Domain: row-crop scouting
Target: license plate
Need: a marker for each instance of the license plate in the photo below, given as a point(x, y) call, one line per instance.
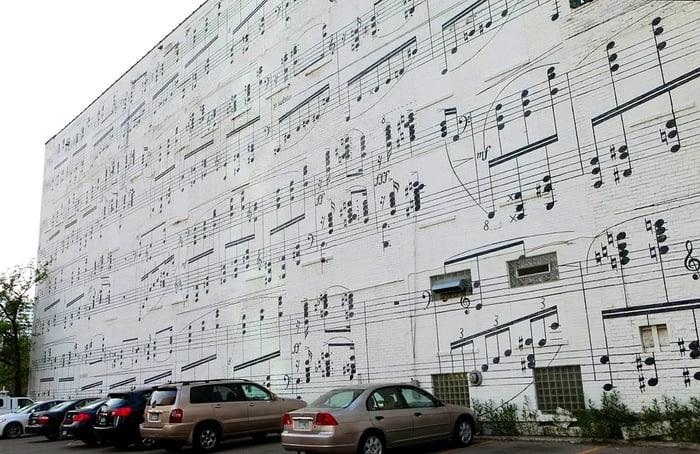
point(103, 420)
point(153, 417)
point(301, 425)
point(64, 433)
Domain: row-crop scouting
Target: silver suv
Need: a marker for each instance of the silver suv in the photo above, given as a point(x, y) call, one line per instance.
point(202, 413)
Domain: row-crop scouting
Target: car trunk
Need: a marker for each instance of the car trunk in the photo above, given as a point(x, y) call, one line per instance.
point(105, 416)
point(68, 419)
point(159, 407)
point(304, 420)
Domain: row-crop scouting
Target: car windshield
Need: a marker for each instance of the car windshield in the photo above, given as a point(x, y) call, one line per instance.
point(27, 408)
point(337, 398)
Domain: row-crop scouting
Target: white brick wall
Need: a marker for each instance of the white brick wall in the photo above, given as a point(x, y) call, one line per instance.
point(186, 211)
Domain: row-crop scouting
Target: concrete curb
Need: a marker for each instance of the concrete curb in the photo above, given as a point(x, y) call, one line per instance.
point(642, 443)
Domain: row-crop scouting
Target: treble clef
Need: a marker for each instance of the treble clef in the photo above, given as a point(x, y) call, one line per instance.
point(465, 303)
point(691, 263)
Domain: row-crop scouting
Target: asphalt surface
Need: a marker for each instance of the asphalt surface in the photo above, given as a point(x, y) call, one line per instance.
point(271, 445)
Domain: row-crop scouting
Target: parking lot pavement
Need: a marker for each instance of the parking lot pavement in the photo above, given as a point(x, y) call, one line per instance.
point(33, 445)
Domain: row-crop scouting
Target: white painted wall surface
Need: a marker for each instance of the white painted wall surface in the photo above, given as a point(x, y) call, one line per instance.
point(268, 191)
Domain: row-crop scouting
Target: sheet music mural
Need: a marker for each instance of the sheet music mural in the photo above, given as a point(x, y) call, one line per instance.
point(233, 206)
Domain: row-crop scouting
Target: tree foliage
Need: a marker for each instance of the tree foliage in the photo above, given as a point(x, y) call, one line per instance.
point(16, 303)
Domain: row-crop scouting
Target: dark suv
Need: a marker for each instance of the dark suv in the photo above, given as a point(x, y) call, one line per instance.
point(119, 418)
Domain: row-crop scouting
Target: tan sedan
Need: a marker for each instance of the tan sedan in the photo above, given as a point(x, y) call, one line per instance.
point(368, 419)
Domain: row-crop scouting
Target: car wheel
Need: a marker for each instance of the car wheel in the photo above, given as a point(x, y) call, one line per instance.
point(13, 430)
point(206, 438)
point(463, 433)
point(371, 443)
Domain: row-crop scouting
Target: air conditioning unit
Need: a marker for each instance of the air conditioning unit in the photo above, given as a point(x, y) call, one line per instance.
point(449, 286)
point(475, 378)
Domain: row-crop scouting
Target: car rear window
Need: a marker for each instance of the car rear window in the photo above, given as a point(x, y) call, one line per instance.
point(162, 397)
point(117, 401)
point(62, 406)
point(338, 398)
point(93, 405)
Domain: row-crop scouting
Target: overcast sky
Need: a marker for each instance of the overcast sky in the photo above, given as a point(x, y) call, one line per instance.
point(57, 57)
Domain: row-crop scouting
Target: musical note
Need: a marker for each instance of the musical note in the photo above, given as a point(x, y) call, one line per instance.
point(461, 123)
point(671, 131)
point(462, 27)
point(399, 59)
point(302, 118)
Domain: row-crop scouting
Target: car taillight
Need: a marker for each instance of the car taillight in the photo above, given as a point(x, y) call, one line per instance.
point(325, 419)
point(42, 419)
point(175, 416)
point(121, 412)
point(287, 419)
point(80, 417)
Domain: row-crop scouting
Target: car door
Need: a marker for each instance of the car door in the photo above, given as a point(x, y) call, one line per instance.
point(430, 419)
point(390, 414)
point(229, 408)
point(264, 411)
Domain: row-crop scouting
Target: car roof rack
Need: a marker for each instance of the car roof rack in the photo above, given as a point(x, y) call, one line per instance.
point(206, 380)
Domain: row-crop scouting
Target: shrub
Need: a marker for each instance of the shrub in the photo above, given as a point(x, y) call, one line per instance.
point(501, 419)
point(606, 421)
point(682, 419)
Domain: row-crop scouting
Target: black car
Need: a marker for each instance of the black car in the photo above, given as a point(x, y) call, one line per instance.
point(118, 419)
point(78, 423)
point(48, 422)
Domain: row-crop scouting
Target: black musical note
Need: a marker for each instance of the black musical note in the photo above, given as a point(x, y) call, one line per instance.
point(671, 131)
point(461, 123)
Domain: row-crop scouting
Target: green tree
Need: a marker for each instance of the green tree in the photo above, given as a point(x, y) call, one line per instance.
point(16, 303)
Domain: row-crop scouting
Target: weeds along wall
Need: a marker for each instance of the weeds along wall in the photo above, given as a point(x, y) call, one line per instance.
point(317, 193)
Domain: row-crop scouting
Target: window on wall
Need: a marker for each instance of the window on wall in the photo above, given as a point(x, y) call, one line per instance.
point(452, 388)
point(576, 3)
point(535, 269)
point(653, 337)
point(559, 387)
